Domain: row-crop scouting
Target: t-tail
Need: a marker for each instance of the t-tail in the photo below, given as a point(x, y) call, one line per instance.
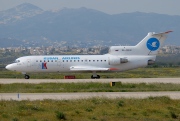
point(152, 43)
point(148, 46)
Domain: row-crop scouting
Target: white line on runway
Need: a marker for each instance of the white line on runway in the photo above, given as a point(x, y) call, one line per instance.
point(124, 80)
point(85, 95)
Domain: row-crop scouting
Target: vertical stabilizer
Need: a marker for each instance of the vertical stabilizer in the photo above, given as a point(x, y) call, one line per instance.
point(151, 43)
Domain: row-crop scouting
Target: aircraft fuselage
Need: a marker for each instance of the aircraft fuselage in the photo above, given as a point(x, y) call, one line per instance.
point(66, 63)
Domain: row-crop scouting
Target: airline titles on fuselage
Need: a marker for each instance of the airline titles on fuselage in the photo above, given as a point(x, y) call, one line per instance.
point(50, 58)
point(63, 58)
point(70, 58)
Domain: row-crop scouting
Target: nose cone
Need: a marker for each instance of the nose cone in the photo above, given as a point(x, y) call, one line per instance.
point(9, 67)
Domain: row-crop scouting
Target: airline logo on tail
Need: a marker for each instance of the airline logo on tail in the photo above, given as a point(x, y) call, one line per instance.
point(153, 44)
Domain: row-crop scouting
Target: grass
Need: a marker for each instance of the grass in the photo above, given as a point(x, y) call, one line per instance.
point(86, 87)
point(101, 109)
point(137, 73)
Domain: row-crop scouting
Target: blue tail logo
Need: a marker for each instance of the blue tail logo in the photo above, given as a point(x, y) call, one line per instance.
point(153, 44)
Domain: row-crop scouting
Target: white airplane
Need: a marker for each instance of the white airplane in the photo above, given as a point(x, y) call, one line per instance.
point(119, 58)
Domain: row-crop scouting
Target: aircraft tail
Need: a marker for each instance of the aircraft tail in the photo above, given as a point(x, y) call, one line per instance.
point(151, 43)
point(148, 46)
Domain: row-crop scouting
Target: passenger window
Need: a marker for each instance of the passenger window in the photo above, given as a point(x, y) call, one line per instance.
point(74, 60)
point(70, 60)
point(55, 60)
point(66, 60)
point(51, 60)
point(44, 61)
point(81, 60)
point(63, 60)
point(97, 60)
point(93, 60)
point(78, 60)
point(40, 60)
point(89, 60)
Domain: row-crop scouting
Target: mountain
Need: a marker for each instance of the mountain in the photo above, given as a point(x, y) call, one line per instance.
point(19, 12)
point(82, 26)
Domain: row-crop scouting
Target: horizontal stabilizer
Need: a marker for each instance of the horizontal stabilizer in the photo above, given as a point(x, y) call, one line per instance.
point(167, 32)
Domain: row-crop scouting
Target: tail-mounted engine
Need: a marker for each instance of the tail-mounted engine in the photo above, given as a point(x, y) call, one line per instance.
point(117, 60)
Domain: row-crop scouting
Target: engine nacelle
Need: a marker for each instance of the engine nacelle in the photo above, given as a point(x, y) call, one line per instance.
point(124, 60)
point(117, 60)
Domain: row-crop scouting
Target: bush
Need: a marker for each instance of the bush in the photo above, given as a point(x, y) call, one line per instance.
point(173, 115)
point(60, 115)
point(15, 119)
point(121, 103)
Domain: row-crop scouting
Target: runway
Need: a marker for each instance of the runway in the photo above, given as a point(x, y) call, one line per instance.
point(123, 80)
point(85, 95)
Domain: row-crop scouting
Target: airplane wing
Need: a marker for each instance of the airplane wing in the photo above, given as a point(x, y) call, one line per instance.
point(90, 68)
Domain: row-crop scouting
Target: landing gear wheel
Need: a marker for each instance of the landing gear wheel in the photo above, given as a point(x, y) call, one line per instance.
point(26, 76)
point(97, 77)
point(92, 77)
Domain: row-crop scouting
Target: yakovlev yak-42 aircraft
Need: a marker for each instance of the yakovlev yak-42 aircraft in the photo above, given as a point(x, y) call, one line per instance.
point(119, 58)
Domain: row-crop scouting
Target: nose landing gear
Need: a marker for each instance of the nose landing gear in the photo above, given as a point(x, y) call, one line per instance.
point(26, 76)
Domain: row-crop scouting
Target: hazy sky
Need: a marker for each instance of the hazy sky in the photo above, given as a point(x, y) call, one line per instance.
point(171, 7)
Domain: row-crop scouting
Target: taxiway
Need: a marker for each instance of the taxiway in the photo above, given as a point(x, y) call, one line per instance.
point(122, 80)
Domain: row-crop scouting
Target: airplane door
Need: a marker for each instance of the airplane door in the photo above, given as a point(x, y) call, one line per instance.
point(59, 62)
point(28, 63)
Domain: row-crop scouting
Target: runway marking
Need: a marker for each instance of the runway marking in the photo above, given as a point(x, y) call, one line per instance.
point(86, 95)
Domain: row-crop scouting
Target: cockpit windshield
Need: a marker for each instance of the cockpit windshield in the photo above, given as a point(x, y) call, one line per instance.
point(16, 61)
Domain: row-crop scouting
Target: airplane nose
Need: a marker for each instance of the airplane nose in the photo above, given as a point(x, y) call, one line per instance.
point(8, 67)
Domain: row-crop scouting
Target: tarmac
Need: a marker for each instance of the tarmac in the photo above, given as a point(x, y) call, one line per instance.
point(122, 80)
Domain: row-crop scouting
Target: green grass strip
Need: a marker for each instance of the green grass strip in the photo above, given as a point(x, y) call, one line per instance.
point(86, 87)
point(100, 109)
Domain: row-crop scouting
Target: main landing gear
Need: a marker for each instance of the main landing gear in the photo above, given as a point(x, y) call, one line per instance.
point(95, 76)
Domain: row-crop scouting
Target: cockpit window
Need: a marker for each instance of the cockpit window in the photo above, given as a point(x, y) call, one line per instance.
point(16, 61)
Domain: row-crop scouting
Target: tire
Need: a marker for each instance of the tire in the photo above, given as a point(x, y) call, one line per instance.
point(98, 77)
point(26, 76)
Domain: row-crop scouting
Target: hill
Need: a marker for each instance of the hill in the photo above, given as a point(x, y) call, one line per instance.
point(32, 26)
